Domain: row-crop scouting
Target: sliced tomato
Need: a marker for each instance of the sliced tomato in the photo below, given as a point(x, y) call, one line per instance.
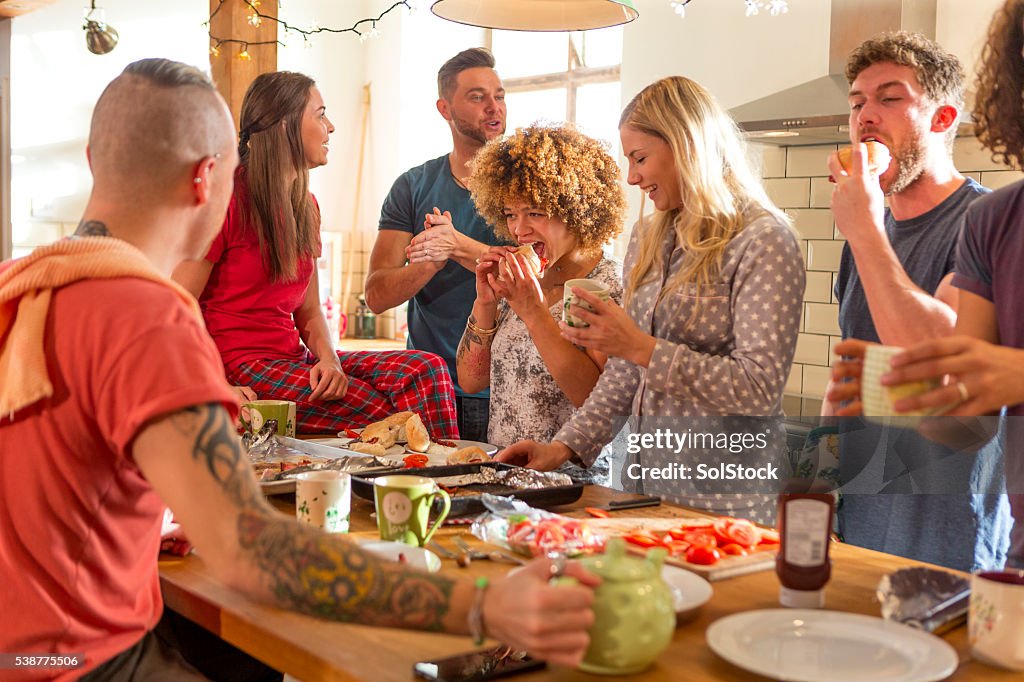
point(447, 443)
point(677, 547)
point(743, 532)
point(350, 433)
point(678, 533)
point(415, 461)
point(597, 512)
point(700, 538)
point(703, 555)
point(644, 539)
point(769, 536)
point(721, 530)
point(734, 550)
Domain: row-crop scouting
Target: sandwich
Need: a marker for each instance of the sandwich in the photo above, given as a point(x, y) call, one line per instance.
point(469, 455)
point(416, 434)
point(878, 157)
point(375, 449)
point(533, 261)
point(380, 433)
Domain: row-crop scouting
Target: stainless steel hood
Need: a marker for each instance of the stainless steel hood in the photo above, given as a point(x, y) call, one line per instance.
point(817, 112)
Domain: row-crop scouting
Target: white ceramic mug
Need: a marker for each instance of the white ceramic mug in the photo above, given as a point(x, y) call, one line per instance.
point(323, 499)
point(995, 623)
point(878, 399)
point(599, 289)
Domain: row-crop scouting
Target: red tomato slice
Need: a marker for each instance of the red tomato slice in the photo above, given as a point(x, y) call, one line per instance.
point(597, 512)
point(677, 548)
point(733, 549)
point(743, 532)
point(703, 555)
point(678, 533)
point(415, 461)
point(769, 536)
point(351, 434)
point(721, 530)
point(700, 538)
point(644, 540)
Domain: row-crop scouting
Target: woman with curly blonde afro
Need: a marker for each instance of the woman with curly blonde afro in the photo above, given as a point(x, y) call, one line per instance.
point(557, 190)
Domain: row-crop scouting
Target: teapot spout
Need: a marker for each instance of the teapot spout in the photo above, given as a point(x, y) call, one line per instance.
point(656, 557)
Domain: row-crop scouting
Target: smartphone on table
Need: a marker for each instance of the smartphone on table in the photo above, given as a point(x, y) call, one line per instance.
point(474, 666)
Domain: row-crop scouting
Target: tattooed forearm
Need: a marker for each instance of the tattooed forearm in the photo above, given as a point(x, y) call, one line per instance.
point(323, 576)
point(91, 228)
point(216, 444)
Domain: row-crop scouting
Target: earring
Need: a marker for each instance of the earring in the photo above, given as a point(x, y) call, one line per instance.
point(197, 181)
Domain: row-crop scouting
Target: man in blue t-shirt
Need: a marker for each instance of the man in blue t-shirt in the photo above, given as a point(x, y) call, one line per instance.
point(894, 287)
point(430, 235)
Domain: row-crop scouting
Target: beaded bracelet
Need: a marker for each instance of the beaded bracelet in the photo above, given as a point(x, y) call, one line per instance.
point(475, 619)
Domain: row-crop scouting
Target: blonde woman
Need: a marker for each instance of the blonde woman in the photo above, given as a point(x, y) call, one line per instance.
point(557, 190)
point(714, 282)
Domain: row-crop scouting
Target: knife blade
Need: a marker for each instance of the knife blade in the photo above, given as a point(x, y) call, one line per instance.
point(631, 503)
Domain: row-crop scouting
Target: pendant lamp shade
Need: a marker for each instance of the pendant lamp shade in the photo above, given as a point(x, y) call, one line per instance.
point(537, 15)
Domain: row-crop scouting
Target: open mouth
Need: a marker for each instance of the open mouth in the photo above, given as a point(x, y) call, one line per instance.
point(493, 125)
point(539, 249)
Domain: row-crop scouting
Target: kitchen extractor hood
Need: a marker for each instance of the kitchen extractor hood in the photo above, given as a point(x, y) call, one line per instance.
point(817, 112)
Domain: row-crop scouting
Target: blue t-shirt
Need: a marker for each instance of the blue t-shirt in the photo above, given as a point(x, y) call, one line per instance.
point(904, 494)
point(438, 312)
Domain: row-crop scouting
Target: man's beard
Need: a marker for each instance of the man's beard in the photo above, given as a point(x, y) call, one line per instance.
point(469, 130)
point(910, 163)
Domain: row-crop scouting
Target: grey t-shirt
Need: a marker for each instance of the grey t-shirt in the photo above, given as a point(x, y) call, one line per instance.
point(902, 493)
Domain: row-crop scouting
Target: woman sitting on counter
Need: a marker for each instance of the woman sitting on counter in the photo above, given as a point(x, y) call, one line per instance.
point(556, 189)
point(259, 291)
point(714, 284)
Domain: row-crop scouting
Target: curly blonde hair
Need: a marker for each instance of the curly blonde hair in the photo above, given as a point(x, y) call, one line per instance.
point(999, 104)
point(557, 169)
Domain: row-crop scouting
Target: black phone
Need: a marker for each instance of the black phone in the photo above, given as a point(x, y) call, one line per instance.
point(477, 665)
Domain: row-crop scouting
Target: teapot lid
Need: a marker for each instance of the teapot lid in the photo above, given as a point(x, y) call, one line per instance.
point(615, 565)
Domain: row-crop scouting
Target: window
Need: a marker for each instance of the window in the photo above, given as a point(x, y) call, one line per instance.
point(555, 77)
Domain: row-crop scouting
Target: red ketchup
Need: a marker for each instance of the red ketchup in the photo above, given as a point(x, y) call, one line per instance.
point(803, 565)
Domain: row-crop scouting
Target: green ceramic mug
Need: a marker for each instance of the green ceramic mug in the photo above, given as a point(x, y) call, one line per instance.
point(403, 508)
point(256, 412)
point(599, 289)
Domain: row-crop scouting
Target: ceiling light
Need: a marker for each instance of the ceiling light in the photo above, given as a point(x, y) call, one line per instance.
point(537, 15)
point(100, 37)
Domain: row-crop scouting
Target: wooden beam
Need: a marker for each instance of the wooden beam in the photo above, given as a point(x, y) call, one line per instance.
point(14, 8)
point(232, 74)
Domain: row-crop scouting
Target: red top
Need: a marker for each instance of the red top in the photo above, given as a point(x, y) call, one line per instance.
point(79, 524)
point(248, 316)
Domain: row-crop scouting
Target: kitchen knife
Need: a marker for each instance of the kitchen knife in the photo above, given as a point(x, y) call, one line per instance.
point(632, 503)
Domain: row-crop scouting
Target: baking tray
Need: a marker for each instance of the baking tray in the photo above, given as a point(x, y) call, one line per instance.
point(462, 505)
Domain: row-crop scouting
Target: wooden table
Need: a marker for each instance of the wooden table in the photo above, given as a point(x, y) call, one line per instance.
point(312, 650)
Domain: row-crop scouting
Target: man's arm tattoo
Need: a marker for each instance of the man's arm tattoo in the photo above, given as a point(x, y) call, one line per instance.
point(91, 228)
point(303, 568)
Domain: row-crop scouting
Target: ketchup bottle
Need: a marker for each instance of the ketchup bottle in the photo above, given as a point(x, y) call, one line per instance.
point(803, 565)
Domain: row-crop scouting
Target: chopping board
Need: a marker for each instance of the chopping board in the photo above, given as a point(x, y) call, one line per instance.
point(727, 567)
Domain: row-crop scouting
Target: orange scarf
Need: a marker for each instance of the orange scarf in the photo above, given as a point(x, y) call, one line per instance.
point(26, 287)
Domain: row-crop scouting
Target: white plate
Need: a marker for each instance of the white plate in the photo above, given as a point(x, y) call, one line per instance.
point(689, 590)
point(343, 443)
point(459, 444)
point(801, 645)
point(344, 436)
point(417, 557)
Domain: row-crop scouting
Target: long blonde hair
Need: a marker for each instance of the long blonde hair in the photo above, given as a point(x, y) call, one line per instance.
point(719, 190)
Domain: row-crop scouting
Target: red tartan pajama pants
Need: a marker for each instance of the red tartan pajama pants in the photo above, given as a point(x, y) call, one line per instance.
point(380, 383)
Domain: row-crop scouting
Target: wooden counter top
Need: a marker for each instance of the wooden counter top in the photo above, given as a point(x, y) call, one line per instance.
point(313, 650)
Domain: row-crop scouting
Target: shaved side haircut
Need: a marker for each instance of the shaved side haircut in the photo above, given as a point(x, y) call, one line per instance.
point(151, 126)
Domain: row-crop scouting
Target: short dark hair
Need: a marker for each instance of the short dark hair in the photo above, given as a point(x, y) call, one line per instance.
point(168, 74)
point(472, 58)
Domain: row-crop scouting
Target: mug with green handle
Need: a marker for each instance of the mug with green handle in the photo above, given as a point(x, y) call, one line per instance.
point(403, 508)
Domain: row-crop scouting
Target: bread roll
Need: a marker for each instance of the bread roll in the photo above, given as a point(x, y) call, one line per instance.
point(533, 261)
point(878, 157)
point(381, 431)
point(469, 455)
point(398, 418)
point(375, 449)
point(416, 434)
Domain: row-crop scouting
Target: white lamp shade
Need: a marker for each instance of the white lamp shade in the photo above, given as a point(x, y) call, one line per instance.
point(537, 15)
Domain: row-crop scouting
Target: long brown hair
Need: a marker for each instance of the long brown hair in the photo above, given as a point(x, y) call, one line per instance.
point(286, 219)
point(720, 192)
point(999, 103)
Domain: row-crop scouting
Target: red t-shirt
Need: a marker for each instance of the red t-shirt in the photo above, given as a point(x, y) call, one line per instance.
point(248, 315)
point(79, 524)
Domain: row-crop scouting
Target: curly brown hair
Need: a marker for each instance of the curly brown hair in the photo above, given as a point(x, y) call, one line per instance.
point(557, 169)
point(999, 104)
point(939, 72)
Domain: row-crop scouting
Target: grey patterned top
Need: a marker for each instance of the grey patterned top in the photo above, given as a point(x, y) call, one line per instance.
point(733, 360)
point(526, 402)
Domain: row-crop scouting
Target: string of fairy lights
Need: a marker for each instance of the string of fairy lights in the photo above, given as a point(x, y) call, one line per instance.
point(364, 28)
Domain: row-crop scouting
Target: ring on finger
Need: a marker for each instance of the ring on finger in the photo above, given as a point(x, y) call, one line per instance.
point(965, 395)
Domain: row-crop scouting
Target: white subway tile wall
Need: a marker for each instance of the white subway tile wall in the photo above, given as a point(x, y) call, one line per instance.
point(804, 191)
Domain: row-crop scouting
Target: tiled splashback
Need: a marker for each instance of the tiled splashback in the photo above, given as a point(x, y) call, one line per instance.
point(797, 180)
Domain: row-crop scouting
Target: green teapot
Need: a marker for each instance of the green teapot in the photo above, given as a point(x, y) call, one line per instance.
point(634, 614)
